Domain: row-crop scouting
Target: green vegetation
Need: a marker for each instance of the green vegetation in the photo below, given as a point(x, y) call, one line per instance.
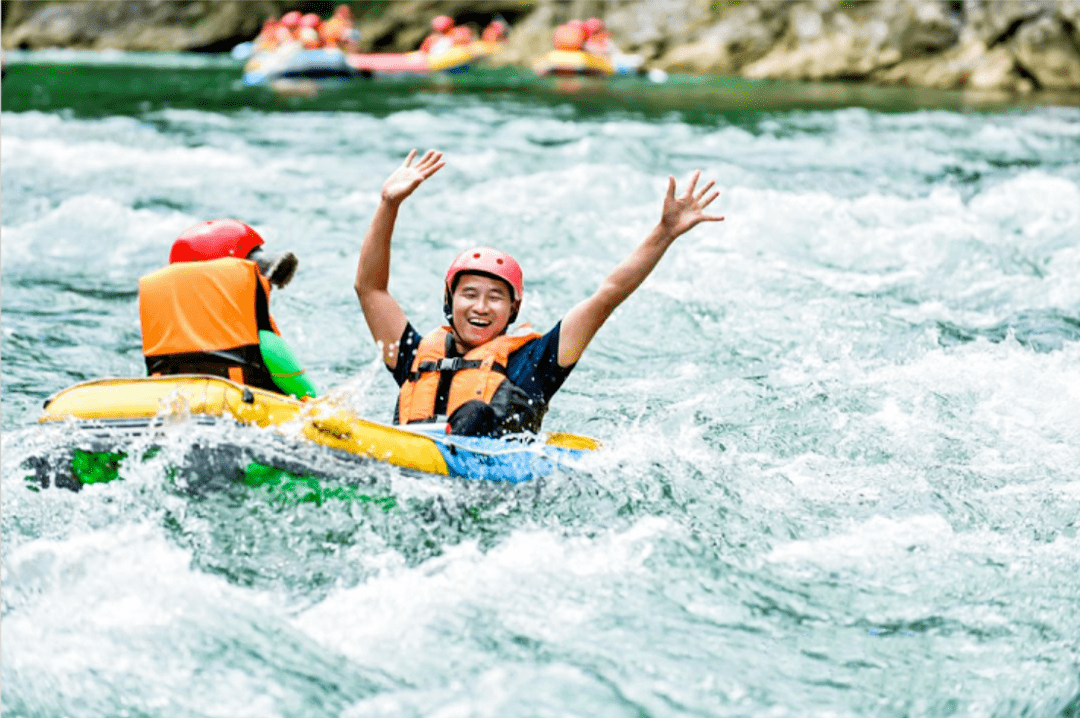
point(719, 6)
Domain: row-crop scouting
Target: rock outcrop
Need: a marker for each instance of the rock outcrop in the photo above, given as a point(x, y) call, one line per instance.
point(1014, 45)
point(1010, 45)
point(142, 25)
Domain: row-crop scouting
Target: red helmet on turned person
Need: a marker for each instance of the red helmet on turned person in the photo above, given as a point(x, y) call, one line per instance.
point(442, 23)
point(489, 262)
point(215, 239)
point(219, 238)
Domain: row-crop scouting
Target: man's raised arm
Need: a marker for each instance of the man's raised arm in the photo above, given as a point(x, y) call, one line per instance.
point(679, 215)
point(385, 318)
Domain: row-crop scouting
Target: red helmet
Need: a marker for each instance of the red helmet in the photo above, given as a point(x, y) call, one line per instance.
point(291, 18)
point(442, 23)
point(485, 260)
point(220, 238)
point(461, 35)
point(488, 261)
point(569, 37)
point(215, 239)
point(594, 25)
point(310, 20)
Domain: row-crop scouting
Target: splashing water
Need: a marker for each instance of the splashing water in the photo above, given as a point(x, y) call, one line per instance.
point(841, 428)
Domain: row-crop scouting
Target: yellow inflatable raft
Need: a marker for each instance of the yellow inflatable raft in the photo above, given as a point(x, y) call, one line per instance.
point(148, 404)
point(572, 63)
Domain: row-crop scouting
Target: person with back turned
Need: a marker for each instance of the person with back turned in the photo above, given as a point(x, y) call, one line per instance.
point(438, 40)
point(474, 373)
point(208, 311)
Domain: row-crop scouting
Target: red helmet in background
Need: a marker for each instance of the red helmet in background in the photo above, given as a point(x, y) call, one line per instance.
point(461, 35)
point(291, 18)
point(344, 12)
point(310, 20)
point(490, 262)
point(594, 25)
point(569, 37)
point(215, 239)
point(442, 23)
point(495, 31)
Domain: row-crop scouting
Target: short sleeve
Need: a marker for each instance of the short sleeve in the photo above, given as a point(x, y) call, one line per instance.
point(407, 346)
point(535, 366)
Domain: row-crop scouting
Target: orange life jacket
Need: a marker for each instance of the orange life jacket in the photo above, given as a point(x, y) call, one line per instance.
point(493, 33)
point(598, 44)
point(204, 318)
point(330, 31)
point(475, 376)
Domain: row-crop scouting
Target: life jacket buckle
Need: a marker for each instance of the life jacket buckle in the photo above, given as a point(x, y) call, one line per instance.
point(448, 364)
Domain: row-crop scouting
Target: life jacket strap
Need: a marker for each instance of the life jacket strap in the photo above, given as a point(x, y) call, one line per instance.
point(452, 365)
point(242, 365)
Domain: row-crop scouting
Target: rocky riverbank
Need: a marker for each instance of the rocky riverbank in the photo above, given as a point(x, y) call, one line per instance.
point(1010, 45)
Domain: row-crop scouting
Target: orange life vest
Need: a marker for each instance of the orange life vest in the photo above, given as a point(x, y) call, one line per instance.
point(475, 376)
point(598, 44)
point(333, 30)
point(493, 33)
point(204, 318)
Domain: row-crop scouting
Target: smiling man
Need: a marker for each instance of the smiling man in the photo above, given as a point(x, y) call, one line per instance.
point(476, 374)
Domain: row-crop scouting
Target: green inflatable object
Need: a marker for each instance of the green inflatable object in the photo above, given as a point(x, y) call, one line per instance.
point(284, 366)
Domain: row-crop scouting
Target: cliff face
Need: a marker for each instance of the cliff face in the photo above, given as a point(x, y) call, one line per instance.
point(1013, 45)
point(138, 25)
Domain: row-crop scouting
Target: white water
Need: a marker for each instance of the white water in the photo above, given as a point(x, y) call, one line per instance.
point(842, 428)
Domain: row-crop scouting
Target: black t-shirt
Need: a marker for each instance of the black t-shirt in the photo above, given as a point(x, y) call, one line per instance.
point(534, 368)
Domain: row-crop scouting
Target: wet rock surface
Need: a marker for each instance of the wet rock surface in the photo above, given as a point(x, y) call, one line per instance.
point(1008, 45)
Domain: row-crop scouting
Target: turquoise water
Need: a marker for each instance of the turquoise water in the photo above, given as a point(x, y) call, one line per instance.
point(841, 428)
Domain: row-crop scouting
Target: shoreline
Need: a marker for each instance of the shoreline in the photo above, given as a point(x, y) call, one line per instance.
point(984, 45)
point(693, 91)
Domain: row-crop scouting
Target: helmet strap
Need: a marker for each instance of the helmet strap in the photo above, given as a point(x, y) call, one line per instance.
point(448, 307)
